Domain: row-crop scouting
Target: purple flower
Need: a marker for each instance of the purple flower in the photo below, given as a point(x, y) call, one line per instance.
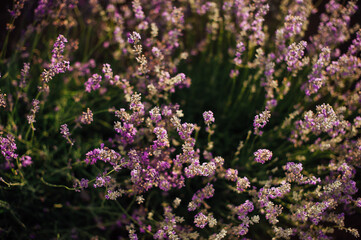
point(8, 147)
point(58, 49)
point(262, 155)
point(231, 174)
point(84, 183)
point(64, 130)
point(103, 154)
point(294, 55)
point(108, 73)
point(240, 49)
point(87, 117)
point(93, 83)
point(317, 78)
point(260, 121)
point(242, 184)
point(134, 38)
point(200, 220)
point(155, 114)
point(137, 8)
point(126, 130)
point(25, 161)
point(24, 75)
point(244, 209)
point(101, 181)
point(41, 9)
point(356, 44)
point(162, 138)
point(204, 193)
point(208, 117)
point(58, 64)
point(33, 111)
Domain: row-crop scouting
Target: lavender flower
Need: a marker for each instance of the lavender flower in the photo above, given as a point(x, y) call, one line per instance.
point(356, 44)
point(262, 155)
point(134, 38)
point(58, 64)
point(162, 138)
point(318, 78)
point(204, 193)
point(135, 102)
point(137, 8)
point(240, 49)
point(2, 100)
point(24, 75)
point(231, 174)
point(101, 181)
point(260, 121)
point(242, 184)
point(126, 130)
point(219, 161)
point(208, 117)
point(358, 202)
point(64, 130)
point(41, 9)
point(114, 194)
point(84, 183)
point(58, 49)
point(155, 114)
point(8, 147)
point(108, 73)
point(153, 149)
point(87, 117)
point(35, 108)
point(93, 83)
point(103, 154)
point(25, 161)
point(294, 55)
point(16, 11)
point(200, 220)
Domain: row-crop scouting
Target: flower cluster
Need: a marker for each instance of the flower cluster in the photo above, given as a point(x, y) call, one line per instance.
point(205, 193)
point(64, 130)
point(8, 151)
point(294, 55)
point(35, 108)
point(57, 65)
point(8, 147)
point(149, 70)
point(262, 155)
point(103, 154)
point(87, 117)
point(2, 100)
point(260, 121)
point(208, 117)
point(93, 83)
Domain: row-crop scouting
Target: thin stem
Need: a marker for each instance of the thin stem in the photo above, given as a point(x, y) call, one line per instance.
point(3, 51)
point(54, 185)
point(12, 184)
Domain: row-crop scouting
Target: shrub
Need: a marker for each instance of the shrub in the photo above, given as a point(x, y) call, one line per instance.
point(180, 119)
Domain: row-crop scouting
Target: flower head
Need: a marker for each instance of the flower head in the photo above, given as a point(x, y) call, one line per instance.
point(208, 117)
point(262, 155)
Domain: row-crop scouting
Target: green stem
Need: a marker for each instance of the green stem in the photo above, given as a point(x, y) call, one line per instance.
point(131, 204)
point(54, 185)
point(12, 184)
point(3, 51)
